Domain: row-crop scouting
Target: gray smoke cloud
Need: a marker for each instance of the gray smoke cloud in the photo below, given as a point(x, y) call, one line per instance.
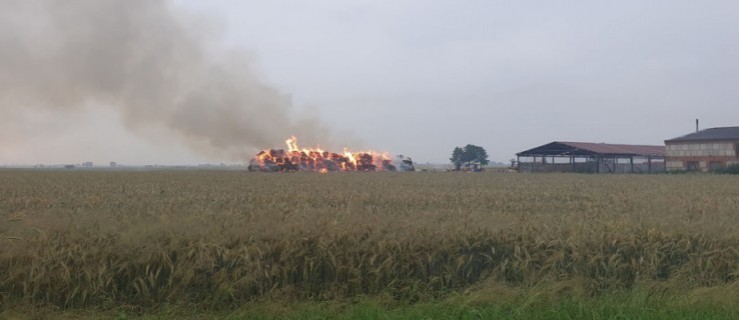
point(158, 66)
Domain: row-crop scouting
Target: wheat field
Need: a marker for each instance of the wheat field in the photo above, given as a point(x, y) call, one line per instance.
point(75, 239)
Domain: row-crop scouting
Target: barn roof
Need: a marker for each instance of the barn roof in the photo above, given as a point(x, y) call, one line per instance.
point(723, 133)
point(561, 148)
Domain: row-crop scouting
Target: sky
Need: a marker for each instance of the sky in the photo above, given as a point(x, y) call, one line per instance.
point(409, 77)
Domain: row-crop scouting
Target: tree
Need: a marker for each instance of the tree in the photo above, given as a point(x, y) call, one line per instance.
point(469, 155)
point(457, 158)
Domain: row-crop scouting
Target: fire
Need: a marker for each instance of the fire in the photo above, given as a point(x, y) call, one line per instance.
point(295, 158)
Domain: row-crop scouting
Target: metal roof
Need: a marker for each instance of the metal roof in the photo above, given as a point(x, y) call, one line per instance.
point(561, 148)
point(723, 133)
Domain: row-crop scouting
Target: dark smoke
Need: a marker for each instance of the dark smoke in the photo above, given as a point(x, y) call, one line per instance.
point(156, 65)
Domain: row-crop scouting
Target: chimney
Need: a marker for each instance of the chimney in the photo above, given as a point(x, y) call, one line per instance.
point(696, 125)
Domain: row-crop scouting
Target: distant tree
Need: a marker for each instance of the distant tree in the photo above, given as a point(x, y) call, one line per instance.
point(469, 155)
point(476, 154)
point(457, 158)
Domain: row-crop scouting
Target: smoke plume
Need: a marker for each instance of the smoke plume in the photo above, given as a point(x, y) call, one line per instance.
point(158, 66)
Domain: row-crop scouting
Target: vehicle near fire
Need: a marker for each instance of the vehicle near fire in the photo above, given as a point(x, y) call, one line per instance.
point(406, 163)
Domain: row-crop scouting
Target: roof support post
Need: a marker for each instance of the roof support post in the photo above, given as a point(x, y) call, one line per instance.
point(543, 163)
point(631, 163)
point(518, 163)
point(649, 164)
point(572, 161)
point(615, 164)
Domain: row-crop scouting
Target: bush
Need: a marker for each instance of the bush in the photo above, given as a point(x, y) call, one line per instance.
point(732, 169)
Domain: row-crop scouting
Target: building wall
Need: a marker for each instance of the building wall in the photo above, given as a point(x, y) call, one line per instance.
point(701, 156)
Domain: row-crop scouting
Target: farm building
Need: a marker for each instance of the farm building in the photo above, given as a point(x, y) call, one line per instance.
point(704, 150)
point(588, 157)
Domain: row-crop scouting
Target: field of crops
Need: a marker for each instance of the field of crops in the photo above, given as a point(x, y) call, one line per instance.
point(219, 239)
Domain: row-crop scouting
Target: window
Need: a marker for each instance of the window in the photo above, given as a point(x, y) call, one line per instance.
point(715, 165)
point(692, 165)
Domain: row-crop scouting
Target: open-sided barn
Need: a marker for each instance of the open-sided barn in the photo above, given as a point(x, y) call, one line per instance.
point(705, 150)
point(559, 156)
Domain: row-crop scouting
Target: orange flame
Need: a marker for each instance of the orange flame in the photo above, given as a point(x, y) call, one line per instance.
point(292, 144)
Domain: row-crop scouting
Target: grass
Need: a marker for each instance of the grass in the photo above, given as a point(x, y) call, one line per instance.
point(638, 304)
point(407, 244)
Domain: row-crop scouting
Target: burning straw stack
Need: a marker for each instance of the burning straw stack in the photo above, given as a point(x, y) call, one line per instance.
point(295, 159)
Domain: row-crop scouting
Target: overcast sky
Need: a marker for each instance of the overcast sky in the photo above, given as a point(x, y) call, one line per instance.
point(420, 77)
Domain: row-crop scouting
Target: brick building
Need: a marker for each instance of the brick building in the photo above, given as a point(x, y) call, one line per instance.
point(704, 150)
